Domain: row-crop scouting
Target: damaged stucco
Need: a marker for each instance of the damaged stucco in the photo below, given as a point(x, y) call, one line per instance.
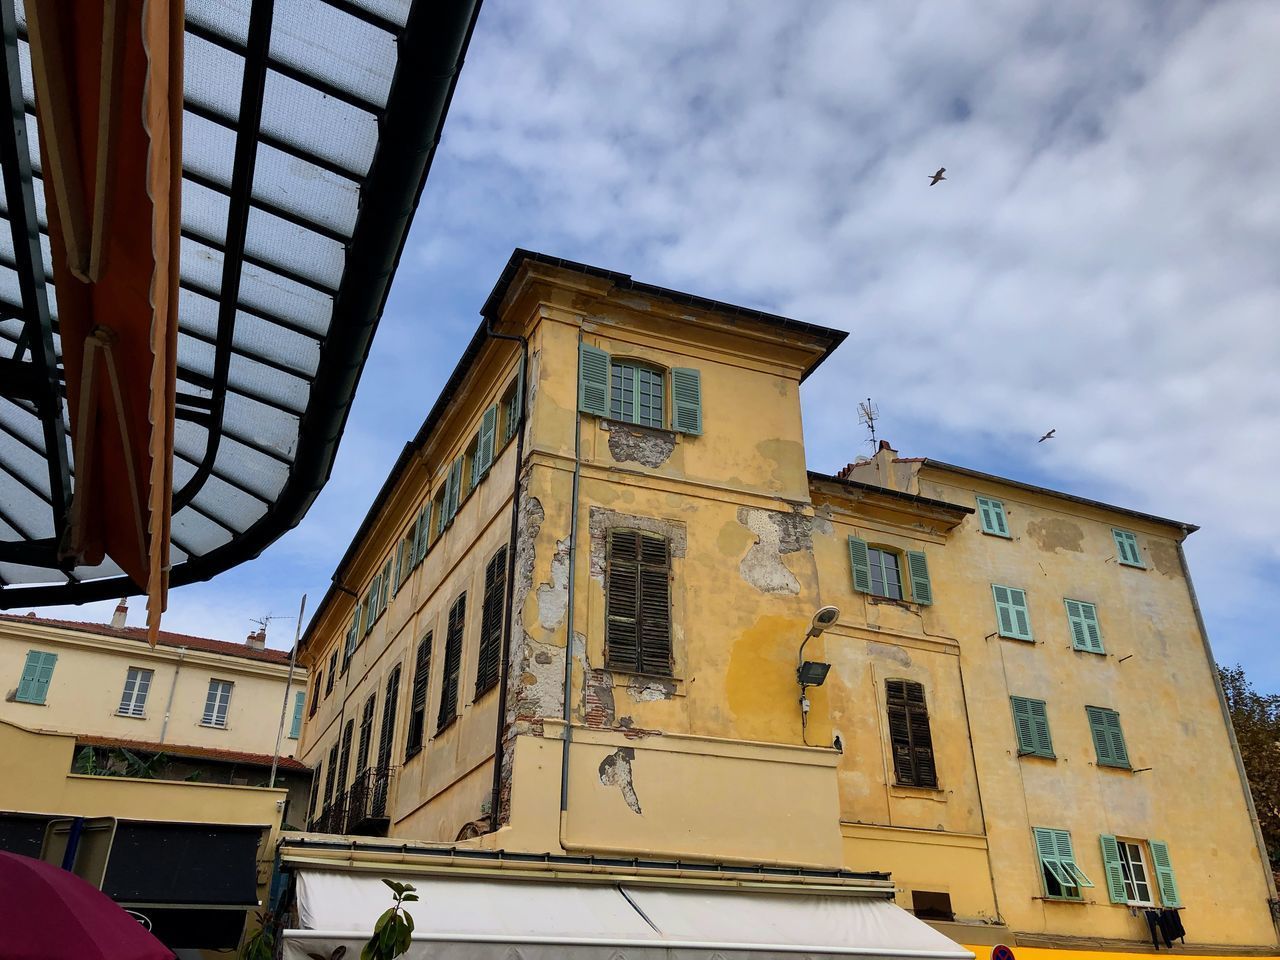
point(615, 771)
point(1054, 534)
point(643, 445)
point(601, 520)
point(776, 534)
point(553, 597)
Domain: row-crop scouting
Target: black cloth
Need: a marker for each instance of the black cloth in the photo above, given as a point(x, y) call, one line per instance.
point(1171, 926)
point(1153, 919)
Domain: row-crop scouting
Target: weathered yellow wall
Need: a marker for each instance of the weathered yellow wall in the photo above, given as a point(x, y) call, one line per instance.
point(89, 678)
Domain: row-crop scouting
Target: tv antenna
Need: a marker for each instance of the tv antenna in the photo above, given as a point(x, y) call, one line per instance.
point(869, 413)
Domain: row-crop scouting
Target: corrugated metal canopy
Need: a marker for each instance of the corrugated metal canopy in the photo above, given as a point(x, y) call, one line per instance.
point(296, 196)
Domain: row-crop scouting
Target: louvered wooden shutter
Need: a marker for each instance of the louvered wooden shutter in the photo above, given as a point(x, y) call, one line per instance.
point(37, 672)
point(1164, 873)
point(418, 703)
point(455, 487)
point(909, 734)
point(1012, 616)
point(333, 769)
point(385, 595)
point(593, 380)
point(517, 404)
point(638, 603)
point(452, 663)
point(295, 726)
point(1127, 548)
point(484, 448)
point(387, 734)
point(1023, 724)
point(918, 567)
point(1108, 740)
point(366, 730)
point(1083, 619)
point(860, 564)
point(991, 513)
point(344, 765)
point(495, 583)
point(686, 400)
point(1113, 869)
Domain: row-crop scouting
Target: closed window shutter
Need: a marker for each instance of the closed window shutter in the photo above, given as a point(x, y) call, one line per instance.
point(1083, 618)
point(1118, 751)
point(593, 380)
point(655, 606)
point(992, 516)
point(484, 449)
point(1012, 616)
point(344, 764)
point(418, 702)
point(910, 737)
point(638, 603)
point(1023, 724)
point(686, 400)
point(1164, 873)
point(33, 687)
point(921, 588)
point(1047, 851)
point(295, 728)
point(1040, 725)
point(860, 564)
point(455, 487)
point(452, 663)
point(366, 731)
point(1067, 859)
point(495, 583)
point(387, 734)
point(899, 732)
point(1108, 741)
point(333, 769)
point(1113, 869)
point(1127, 548)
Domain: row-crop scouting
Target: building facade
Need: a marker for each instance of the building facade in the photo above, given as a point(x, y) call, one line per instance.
point(188, 707)
point(573, 621)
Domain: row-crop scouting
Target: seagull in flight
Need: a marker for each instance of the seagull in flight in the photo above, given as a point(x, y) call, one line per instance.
point(1048, 436)
point(933, 181)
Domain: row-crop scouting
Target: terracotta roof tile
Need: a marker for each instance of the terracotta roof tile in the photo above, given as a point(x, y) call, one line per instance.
point(166, 639)
point(185, 750)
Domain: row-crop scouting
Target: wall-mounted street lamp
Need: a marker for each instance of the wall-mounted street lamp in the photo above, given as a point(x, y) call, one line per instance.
point(812, 673)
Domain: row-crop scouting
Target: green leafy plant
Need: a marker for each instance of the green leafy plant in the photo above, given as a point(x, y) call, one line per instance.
point(392, 932)
point(261, 944)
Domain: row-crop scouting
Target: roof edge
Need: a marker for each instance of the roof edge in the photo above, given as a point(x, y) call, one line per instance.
point(894, 494)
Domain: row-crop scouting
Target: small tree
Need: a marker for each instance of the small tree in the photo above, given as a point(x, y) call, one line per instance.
point(394, 929)
point(1256, 719)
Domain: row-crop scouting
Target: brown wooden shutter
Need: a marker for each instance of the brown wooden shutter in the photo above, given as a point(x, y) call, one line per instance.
point(910, 738)
point(366, 732)
point(452, 663)
point(638, 603)
point(333, 769)
point(495, 585)
point(655, 606)
point(387, 733)
point(418, 704)
point(344, 766)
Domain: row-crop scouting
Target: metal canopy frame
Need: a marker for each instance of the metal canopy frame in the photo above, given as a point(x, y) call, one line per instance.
point(272, 341)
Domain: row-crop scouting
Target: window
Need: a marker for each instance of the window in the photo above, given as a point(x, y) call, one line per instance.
point(1062, 877)
point(452, 663)
point(315, 694)
point(878, 571)
point(909, 736)
point(387, 734)
point(469, 477)
point(438, 505)
point(295, 728)
point(991, 515)
point(33, 686)
point(418, 701)
point(1083, 619)
point(419, 537)
point(483, 445)
point(137, 684)
point(353, 639)
point(1126, 869)
point(1013, 619)
point(637, 634)
point(1127, 548)
point(635, 393)
point(216, 703)
point(1108, 741)
point(511, 404)
point(344, 764)
point(488, 666)
point(1031, 724)
point(366, 731)
point(930, 905)
point(333, 669)
point(385, 593)
point(315, 792)
point(328, 778)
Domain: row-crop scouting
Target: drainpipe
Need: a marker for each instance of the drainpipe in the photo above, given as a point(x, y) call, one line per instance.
point(288, 685)
point(568, 634)
point(168, 707)
point(1231, 736)
point(504, 657)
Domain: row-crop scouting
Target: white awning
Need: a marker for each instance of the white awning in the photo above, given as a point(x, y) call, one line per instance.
point(546, 920)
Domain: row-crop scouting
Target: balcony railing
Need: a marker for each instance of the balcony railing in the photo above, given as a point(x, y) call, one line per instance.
point(367, 801)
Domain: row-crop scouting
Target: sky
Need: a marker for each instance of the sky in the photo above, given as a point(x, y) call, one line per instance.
point(1101, 259)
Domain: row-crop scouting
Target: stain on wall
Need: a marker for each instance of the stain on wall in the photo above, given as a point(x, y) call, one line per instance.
point(615, 771)
point(1164, 557)
point(1054, 534)
point(776, 534)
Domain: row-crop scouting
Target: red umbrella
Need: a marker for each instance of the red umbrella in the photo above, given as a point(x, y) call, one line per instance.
point(51, 914)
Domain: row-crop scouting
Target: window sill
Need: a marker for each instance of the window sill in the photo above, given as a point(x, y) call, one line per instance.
point(1005, 636)
point(998, 536)
point(1121, 767)
point(444, 728)
point(32, 703)
point(665, 433)
point(131, 716)
point(936, 794)
point(1051, 757)
point(891, 602)
point(214, 726)
point(1079, 901)
point(1096, 653)
point(667, 684)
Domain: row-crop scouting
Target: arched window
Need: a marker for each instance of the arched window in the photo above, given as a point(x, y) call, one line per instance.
point(636, 393)
point(886, 572)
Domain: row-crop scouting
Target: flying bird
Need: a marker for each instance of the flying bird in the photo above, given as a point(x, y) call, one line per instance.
point(1048, 436)
point(933, 181)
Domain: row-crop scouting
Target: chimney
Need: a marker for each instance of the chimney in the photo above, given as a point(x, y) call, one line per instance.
point(257, 640)
point(121, 615)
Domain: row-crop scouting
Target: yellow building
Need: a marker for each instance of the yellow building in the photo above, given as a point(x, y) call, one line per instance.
point(1019, 694)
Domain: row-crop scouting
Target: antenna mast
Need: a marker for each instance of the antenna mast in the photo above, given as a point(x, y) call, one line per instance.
point(869, 413)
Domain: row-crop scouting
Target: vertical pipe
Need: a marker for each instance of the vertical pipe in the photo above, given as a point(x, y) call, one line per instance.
point(573, 576)
point(284, 708)
point(168, 707)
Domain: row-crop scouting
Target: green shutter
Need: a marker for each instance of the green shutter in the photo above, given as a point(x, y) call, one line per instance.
point(1013, 619)
point(517, 406)
point(484, 448)
point(991, 513)
point(1127, 548)
point(1164, 873)
point(593, 380)
point(296, 727)
point(686, 400)
point(1047, 851)
point(1083, 620)
point(33, 686)
point(860, 564)
point(1067, 858)
point(1113, 869)
point(452, 492)
point(1031, 721)
point(1040, 722)
point(1108, 740)
point(918, 567)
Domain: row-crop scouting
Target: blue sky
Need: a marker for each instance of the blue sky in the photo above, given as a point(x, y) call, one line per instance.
point(1102, 258)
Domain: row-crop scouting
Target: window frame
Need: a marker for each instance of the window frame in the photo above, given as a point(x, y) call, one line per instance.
point(1106, 722)
point(883, 551)
point(419, 695)
point(1124, 541)
point(637, 367)
point(295, 725)
point(1034, 745)
point(451, 664)
point(492, 618)
point(137, 706)
point(1123, 848)
point(907, 714)
point(1084, 639)
point(1025, 606)
point(999, 515)
point(219, 704)
point(1055, 853)
point(649, 584)
point(40, 664)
